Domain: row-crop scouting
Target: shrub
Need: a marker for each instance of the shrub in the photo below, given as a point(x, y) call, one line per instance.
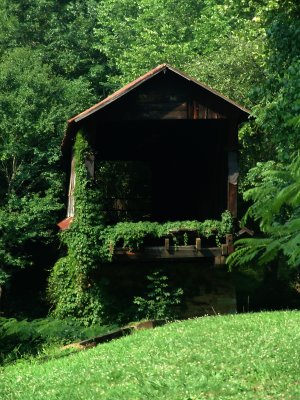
point(26, 338)
point(159, 299)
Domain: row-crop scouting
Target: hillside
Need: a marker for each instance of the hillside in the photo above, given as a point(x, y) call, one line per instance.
point(246, 356)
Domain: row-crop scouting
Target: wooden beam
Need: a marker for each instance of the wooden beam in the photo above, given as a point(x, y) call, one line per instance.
point(233, 175)
point(160, 252)
point(232, 199)
point(168, 106)
point(198, 244)
point(229, 243)
point(219, 261)
point(224, 249)
point(167, 244)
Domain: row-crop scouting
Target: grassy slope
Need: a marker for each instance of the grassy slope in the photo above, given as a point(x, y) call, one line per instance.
point(249, 356)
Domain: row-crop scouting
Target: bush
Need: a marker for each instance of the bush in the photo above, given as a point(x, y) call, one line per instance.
point(27, 338)
point(159, 300)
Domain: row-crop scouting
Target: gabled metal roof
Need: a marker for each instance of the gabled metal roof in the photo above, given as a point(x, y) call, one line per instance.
point(132, 85)
point(137, 82)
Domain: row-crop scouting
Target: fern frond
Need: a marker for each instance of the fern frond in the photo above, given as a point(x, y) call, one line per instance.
point(247, 251)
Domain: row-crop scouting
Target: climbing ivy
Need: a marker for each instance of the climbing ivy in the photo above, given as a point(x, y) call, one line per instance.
point(72, 290)
point(132, 235)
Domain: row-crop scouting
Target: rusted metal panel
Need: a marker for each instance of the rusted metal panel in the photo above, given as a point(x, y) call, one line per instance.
point(65, 223)
point(132, 85)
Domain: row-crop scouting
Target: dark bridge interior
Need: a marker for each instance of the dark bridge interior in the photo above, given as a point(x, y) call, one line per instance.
point(182, 167)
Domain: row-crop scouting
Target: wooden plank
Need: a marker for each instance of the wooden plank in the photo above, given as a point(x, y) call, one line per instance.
point(195, 110)
point(201, 111)
point(233, 170)
point(198, 243)
point(229, 243)
point(169, 106)
point(150, 114)
point(232, 199)
point(159, 252)
point(167, 244)
point(224, 249)
point(233, 175)
point(219, 261)
point(160, 96)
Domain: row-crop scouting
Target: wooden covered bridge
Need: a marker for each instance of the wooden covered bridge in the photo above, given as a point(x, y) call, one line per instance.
point(183, 136)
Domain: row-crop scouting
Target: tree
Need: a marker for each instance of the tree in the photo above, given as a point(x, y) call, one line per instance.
point(62, 31)
point(34, 103)
point(276, 206)
point(275, 185)
point(211, 40)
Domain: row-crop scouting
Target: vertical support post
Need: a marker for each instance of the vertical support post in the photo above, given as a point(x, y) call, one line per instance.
point(71, 202)
point(233, 172)
point(232, 183)
point(167, 244)
point(229, 243)
point(198, 243)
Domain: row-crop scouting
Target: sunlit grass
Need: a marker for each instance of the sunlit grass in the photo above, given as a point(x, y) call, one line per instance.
point(249, 356)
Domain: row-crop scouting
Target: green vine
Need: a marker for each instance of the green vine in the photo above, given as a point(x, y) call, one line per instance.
point(132, 235)
point(71, 289)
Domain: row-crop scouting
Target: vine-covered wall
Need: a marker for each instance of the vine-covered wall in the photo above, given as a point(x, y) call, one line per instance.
point(79, 284)
point(71, 289)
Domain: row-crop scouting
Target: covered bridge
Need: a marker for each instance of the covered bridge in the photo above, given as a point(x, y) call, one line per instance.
point(185, 131)
point(183, 138)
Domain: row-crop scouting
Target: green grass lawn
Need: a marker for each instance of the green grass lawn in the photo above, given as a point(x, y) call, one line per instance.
point(247, 356)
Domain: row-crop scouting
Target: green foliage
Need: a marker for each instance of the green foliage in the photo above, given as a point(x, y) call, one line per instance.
point(133, 234)
point(23, 338)
point(33, 105)
point(62, 32)
point(274, 185)
point(159, 299)
point(248, 356)
point(220, 43)
point(276, 206)
point(72, 291)
point(277, 109)
point(57, 58)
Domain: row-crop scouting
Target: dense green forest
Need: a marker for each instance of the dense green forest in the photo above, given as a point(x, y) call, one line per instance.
point(58, 57)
